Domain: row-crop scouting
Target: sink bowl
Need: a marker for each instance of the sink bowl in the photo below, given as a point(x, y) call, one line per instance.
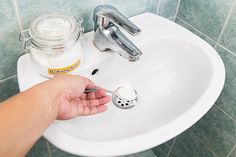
point(178, 78)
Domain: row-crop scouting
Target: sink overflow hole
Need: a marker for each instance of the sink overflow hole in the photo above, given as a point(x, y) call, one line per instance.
point(95, 71)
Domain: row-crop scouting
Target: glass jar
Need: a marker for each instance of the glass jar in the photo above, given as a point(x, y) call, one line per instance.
point(53, 43)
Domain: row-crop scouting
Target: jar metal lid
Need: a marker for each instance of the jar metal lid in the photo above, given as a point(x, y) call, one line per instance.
point(54, 32)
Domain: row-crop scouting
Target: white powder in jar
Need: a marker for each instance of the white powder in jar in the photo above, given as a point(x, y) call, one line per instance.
point(126, 93)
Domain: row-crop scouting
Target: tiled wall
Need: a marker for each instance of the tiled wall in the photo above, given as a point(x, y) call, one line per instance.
point(168, 8)
point(215, 134)
point(213, 20)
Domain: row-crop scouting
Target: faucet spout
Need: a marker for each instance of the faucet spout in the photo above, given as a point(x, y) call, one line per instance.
point(108, 36)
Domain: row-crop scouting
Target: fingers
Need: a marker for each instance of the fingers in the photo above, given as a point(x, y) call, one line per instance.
point(92, 94)
point(93, 110)
point(98, 94)
point(99, 109)
point(97, 102)
point(89, 84)
point(94, 106)
point(104, 99)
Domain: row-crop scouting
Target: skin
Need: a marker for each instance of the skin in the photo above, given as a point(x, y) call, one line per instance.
point(24, 117)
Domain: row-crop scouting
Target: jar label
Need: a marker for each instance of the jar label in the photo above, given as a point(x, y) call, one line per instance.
point(64, 70)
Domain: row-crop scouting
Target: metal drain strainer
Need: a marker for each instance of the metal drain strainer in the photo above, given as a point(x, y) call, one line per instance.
point(122, 97)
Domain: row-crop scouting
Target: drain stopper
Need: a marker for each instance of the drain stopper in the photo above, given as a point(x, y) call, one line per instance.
point(124, 97)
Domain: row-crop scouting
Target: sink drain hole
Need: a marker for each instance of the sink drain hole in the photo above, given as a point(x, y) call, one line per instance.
point(125, 98)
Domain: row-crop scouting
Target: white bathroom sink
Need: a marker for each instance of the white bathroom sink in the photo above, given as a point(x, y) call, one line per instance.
point(178, 78)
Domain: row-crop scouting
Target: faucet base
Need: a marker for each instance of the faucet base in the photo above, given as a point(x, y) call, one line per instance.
point(100, 42)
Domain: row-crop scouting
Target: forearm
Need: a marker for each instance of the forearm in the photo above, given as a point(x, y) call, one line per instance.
point(24, 118)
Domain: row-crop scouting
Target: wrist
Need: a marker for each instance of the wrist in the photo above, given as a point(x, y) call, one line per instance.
point(48, 96)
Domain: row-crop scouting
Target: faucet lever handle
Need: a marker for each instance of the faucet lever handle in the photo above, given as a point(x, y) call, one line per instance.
point(111, 14)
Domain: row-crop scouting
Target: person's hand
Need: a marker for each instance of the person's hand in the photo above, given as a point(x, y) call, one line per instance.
point(32, 111)
point(72, 99)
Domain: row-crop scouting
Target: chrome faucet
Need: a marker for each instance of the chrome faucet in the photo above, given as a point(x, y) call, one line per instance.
point(108, 36)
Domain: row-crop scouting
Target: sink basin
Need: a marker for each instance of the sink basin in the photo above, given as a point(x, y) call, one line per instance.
point(178, 78)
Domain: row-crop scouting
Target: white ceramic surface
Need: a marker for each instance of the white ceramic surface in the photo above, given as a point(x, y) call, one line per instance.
point(178, 79)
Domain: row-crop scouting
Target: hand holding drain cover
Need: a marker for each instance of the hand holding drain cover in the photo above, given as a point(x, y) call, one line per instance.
point(122, 97)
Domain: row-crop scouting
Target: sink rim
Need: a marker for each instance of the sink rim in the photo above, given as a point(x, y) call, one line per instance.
point(156, 136)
